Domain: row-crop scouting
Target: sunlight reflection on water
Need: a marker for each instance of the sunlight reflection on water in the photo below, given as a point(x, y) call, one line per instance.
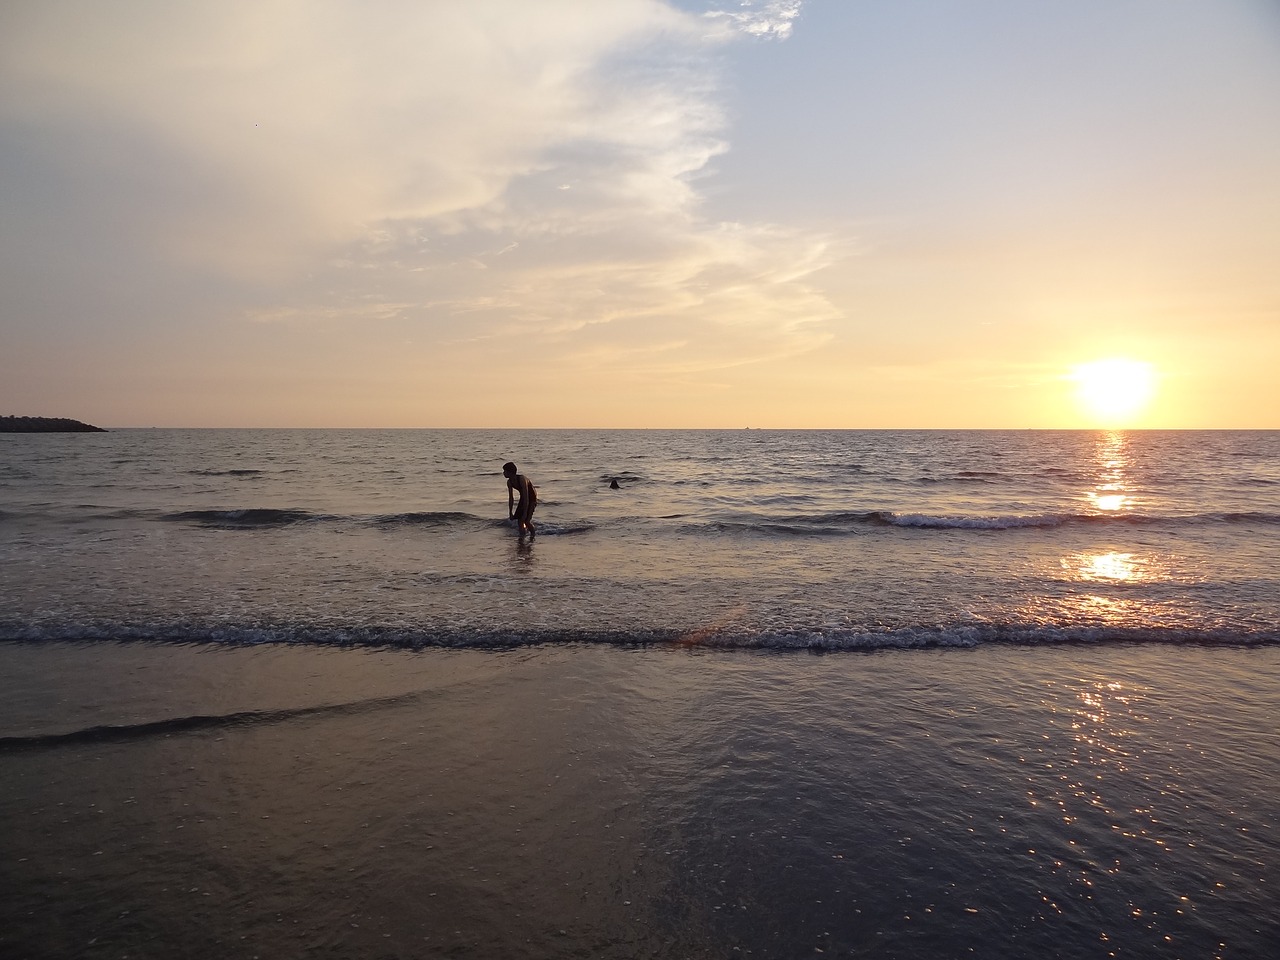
point(1111, 488)
point(1109, 502)
point(1113, 567)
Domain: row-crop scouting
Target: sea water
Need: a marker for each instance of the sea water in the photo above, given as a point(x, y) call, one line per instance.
point(780, 694)
point(831, 540)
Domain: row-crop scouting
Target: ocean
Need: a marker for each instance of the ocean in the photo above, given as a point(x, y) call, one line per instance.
point(776, 694)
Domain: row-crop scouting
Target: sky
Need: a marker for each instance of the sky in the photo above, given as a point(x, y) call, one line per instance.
point(641, 213)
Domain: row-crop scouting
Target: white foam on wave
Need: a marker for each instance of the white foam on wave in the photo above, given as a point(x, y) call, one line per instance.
point(962, 636)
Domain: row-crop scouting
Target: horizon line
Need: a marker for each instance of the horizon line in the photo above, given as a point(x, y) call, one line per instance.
point(988, 429)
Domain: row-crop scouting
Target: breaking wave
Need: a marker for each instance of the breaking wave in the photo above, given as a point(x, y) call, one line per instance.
point(770, 523)
point(959, 635)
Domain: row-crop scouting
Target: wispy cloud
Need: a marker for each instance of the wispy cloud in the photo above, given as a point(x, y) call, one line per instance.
point(760, 18)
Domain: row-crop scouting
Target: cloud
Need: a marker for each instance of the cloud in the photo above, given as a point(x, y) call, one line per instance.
point(771, 19)
point(322, 116)
point(476, 171)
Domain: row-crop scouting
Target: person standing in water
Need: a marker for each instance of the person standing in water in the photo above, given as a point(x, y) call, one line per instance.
point(521, 512)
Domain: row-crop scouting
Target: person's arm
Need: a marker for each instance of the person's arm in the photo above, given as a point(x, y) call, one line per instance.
point(511, 499)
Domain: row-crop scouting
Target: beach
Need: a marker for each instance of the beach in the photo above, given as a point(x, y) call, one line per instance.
point(203, 801)
point(897, 694)
point(639, 480)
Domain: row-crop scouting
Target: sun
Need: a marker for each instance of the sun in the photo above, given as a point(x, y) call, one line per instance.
point(1115, 391)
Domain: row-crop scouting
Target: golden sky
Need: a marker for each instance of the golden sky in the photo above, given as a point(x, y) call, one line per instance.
point(634, 213)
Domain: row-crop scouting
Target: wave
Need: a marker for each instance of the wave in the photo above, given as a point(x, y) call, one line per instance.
point(998, 522)
point(934, 636)
point(962, 477)
point(442, 518)
point(836, 523)
point(769, 523)
point(249, 517)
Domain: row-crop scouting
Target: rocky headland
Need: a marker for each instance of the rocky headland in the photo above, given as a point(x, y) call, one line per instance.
point(45, 425)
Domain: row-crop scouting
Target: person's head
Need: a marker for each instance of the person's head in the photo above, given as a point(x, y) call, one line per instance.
point(509, 469)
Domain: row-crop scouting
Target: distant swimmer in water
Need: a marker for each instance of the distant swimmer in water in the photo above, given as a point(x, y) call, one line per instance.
point(521, 512)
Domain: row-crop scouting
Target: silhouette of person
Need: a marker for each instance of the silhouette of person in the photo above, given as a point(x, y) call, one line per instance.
point(521, 512)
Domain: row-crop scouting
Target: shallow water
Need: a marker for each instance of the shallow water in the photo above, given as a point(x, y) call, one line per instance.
point(587, 801)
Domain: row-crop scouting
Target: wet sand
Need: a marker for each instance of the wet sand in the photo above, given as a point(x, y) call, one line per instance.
point(203, 801)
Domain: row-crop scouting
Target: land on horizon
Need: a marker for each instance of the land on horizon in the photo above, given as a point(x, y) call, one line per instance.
point(12, 424)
